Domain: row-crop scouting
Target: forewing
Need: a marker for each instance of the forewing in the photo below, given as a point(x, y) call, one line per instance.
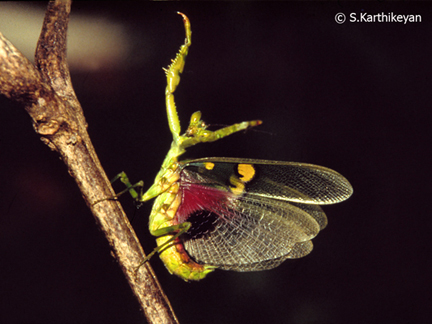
point(291, 181)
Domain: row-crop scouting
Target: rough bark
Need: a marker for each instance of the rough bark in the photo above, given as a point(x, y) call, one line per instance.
point(46, 92)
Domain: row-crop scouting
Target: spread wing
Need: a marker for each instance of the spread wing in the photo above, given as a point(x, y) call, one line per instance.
point(250, 215)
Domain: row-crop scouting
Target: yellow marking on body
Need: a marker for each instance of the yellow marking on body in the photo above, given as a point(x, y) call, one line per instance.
point(164, 208)
point(246, 171)
point(171, 212)
point(209, 165)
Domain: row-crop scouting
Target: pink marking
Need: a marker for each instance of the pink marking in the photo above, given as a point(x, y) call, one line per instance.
point(198, 197)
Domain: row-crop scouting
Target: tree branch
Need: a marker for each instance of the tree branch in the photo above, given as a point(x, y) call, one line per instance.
point(47, 94)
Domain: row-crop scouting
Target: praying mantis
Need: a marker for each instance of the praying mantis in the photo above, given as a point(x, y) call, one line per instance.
point(230, 213)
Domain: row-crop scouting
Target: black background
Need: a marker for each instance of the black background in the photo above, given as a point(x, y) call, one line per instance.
point(354, 97)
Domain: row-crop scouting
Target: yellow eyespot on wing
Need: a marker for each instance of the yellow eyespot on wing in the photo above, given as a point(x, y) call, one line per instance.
point(209, 165)
point(246, 172)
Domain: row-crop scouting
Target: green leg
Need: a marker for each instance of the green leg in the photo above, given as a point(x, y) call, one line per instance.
point(196, 132)
point(173, 80)
point(129, 186)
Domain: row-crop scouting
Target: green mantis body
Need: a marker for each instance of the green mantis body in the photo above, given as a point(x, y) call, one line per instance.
point(165, 188)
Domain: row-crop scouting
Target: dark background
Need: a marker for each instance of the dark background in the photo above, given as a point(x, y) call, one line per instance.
point(353, 97)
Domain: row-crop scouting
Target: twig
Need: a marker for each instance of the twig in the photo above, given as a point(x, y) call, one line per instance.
point(47, 94)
